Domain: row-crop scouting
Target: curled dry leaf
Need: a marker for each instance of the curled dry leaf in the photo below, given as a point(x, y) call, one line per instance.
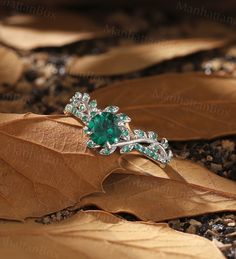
point(11, 66)
point(178, 106)
point(182, 189)
point(28, 32)
point(127, 59)
point(45, 165)
point(100, 235)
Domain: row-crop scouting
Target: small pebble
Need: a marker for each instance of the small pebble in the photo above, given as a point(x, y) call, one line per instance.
point(231, 52)
point(59, 216)
point(195, 222)
point(46, 220)
point(216, 167)
point(49, 70)
point(231, 224)
point(40, 81)
point(175, 224)
point(182, 155)
point(209, 158)
point(191, 229)
point(218, 227)
point(229, 67)
point(228, 145)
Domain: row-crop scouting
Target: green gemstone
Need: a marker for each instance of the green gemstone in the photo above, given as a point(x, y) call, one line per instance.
point(140, 133)
point(112, 109)
point(85, 97)
point(82, 107)
point(138, 147)
point(125, 132)
point(149, 152)
point(126, 148)
point(86, 130)
point(145, 151)
point(104, 128)
point(93, 113)
point(93, 104)
point(105, 151)
point(85, 119)
point(123, 117)
point(90, 144)
point(73, 110)
point(152, 135)
point(155, 156)
point(155, 147)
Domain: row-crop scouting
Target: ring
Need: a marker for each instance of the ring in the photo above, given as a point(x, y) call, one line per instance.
point(109, 130)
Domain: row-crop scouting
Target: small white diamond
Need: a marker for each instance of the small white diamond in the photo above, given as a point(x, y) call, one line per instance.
point(86, 97)
point(112, 109)
point(78, 95)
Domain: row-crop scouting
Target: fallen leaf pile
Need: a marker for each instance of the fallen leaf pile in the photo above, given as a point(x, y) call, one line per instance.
point(46, 167)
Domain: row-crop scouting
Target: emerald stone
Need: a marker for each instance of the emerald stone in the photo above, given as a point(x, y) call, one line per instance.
point(82, 107)
point(140, 133)
point(104, 128)
point(152, 135)
point(126, 148)
point(155, 156)
point(91, 144)
point(105, 151)
point(93, 104)
point(138, 147)
point(85, 118)
point(112, 109)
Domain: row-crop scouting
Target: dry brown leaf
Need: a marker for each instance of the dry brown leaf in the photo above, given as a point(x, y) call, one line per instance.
point(199, 28)
point(182, 189)
point(28, 32)
point(100, 235)
point(177, 106)
point(45, 165)
point(127, 59)
point(11, 66)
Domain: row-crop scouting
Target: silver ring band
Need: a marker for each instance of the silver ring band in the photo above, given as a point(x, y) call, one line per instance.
point(109, 130)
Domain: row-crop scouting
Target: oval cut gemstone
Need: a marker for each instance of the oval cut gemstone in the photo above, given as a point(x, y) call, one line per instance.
point(104, 128)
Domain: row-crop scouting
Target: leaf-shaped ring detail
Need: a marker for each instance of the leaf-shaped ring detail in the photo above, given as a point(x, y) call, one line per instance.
point(109, 130)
